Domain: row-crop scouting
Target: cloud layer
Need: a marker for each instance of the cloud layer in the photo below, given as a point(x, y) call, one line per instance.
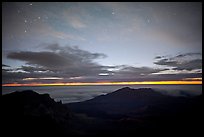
point(71, 64)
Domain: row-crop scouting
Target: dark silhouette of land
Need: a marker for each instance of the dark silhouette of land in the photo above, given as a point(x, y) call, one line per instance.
point(123, 112)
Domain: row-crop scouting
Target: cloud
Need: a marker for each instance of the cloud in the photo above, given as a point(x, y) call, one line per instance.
point(129, 70)
point(63, 61)
point(158, 57)
point(177, 76)
point(47, 59)
point(188, 54)
point(11, 77)
point(76, 23)
point(3, 65)
point(32, 69)
point(131, 73)
point(189, 65)
point(74, 17)
point(165, 62)
point(187, 61)
point(63, 35)
point(71, 64)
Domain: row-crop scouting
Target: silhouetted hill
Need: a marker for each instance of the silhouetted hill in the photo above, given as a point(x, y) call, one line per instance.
point(28, 113)
point(143, 109)
point(37, 114)
point(122, 102)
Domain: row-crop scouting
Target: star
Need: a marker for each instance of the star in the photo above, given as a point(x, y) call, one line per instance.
point(25, 21)
point(39, 18)
point(25, 31)
point(113, 13)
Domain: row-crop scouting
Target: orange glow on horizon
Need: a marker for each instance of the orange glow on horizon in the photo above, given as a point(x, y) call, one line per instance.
point(108, 83)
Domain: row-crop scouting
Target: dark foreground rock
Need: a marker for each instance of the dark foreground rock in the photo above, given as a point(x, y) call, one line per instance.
point(123, 112)
point(28, 112)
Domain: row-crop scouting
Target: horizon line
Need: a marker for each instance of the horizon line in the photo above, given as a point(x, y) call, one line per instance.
point(107, 83)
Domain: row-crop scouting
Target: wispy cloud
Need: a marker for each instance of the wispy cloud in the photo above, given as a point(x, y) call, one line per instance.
point(73, 16)
point(62, 35)
point(76, 22)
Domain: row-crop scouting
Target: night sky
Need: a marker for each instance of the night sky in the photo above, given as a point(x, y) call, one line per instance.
point(101, 42)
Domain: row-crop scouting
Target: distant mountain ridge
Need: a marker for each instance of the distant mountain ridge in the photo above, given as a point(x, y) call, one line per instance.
point(144, 109)
point(123, 102)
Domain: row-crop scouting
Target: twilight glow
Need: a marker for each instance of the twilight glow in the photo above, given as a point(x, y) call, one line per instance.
point(101, 43)
point(110, 83)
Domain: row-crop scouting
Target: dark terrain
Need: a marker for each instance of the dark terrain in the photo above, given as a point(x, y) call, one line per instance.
point(123, 112)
